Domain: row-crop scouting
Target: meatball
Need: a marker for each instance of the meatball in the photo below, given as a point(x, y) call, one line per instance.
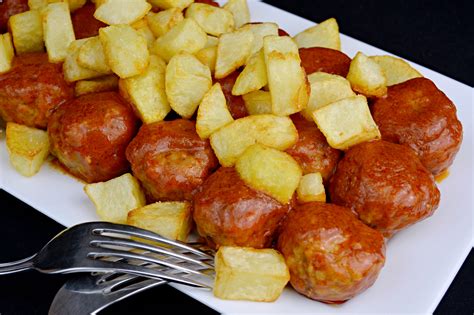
point(89, 135)
point(170, 159)
point(328, 60)
point(416, 114)
point(228, 212)
point(331, 255)
point(9, 8)
point(84, 23)
point(210, 2)
point(312, 151)
point(386, 185)
point(235, 103)
point(32, 90)
point(282, 32)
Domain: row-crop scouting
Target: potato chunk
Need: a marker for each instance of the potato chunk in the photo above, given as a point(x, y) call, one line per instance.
point(325, 89)
point(172, 220)
point(258, 102)
point(27, 148)
point(325, 34)
point(346, 122)
point(287, 81)
point(160, 23)
point(233, 51)
point(366, 76)
point(102, 84)
point(396, 70)
point(253, 77)
point(168, 4)
point(213, 20)
point(113, 12)
point(187, 80)
point(213, 113)
point(6, 52)
point(269, 170)
point(250, 274)
point(311, 188)
point(27, 32)
point(208, 57)
point(146, 92)
point(260, 30)
point(186, 36)
point(37, 4)
point(91, 56)
point(125, 50)
point(232, 140)
point(114, 198)
point(240, 11)
point(71, 68)
point(58, 30)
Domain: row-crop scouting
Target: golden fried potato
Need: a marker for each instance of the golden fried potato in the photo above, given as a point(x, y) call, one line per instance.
point(250, 274)
point(366, 76)
point(91, 56)
point(253, 77)
point(27, 32)
point(258, 102)
point(208, 57)
point(346, 122)
point(144, 31)
point(6, 52)
point(160, 23)
point(73, 4)
point(113, 12)
point(311, 188)
point(228, 57)
point(114, 198)
point(324, 34)
point(27, 148)
point(146, 92)
point(102, 84)
point(58, 30)
point(213, 20)
point(396, 70)
point(187, 80)
point(37, 4)
point(172, 220)
point(71, 68)
point(240, 11)
point(212, 41)
point(168, 4)
point(260, 30)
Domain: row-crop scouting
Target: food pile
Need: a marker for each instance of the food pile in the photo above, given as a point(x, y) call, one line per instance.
point(293, 160)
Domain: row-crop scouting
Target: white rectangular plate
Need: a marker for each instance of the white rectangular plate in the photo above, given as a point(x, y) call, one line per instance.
point(421, 261)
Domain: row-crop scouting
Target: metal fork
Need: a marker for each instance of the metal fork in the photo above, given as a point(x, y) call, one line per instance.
point(90, 247)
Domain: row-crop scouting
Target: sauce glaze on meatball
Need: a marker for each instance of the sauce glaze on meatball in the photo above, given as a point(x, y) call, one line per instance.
point(328, 60)
point(9, 8)
point(84, 23)
point(235, 103)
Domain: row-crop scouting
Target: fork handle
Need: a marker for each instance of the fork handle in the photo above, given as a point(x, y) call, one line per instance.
point(17, 266)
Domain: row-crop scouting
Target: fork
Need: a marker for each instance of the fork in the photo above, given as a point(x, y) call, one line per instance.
point(108, 247)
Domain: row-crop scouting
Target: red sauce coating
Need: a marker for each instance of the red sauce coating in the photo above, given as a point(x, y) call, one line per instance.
point(328, 60)
point(331, 255)
point(386, 184)
point(89, 135)
point(84, 22)
point(417, 114)
point(210, 2)
point(170, 159)
point(32, 90)
point(282, 32)
point(235, 103)
point(9, 8)
point(228, 212)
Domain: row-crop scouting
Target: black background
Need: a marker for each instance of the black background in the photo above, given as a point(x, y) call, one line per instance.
point(437, 35)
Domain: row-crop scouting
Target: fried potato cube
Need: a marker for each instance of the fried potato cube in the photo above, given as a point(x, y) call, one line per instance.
point(168, 4)
point(212, 41)
point(253, 77)
point(325, 89)
point(208, 57)
point(311, 188)
point(114, 12)
point(163, 21)
point(346, 122)
point(91, 56)
point(287, 81)
point(114, 198)
point(396, 70)
point(58, 30)
point(250, 274)
point(37, 4)
point(233, 50)
point(27, 32)
point(71, 68)
point(232, 140)
point(325, 34)
point(146, 92)
point(269, 170)
point(102, 84)
point(213, 20)
point(366, 76)
point(259, 31)
point(186, 36)
point(172, 220)
point(27, 148)
point(6, 52)
point(73, 4)
point(125, 50)
point(258, 102)
point(240, 11)
point(213, 113)
point(187, 80)
point(144, 31)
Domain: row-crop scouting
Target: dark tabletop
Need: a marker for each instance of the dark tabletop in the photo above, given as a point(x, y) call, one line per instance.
point(438, 36)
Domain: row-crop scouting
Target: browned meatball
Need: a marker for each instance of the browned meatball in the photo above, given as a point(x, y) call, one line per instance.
point(331, 255)
point(415, 113)
point(228, 212)
point(89, 135)
point(386, 184)
point(312, 151)
point(9, 8)
point(84, 22)
point(235, 103)
point(328, 60)
point(32, 90)
point(170, 159)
